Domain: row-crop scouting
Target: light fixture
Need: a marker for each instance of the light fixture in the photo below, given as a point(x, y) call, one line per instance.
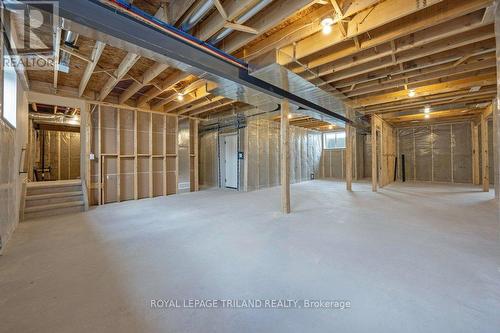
point(327, 23)
point(330, 127)
point(411, 93)
point(427, 116)
point(180, 97)
point(289, 116)
point(427, 109)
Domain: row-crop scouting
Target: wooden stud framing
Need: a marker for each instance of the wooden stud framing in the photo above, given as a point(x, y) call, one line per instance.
point(136, 177)
point(374, 154)
point(476, 180)
point(349, 131)
point(143, 148)
point(151, 178)
point(165, 171)
point(99, 157)
point(285, 149)
point(118, 159)
point(484, 153)
point(59, 156)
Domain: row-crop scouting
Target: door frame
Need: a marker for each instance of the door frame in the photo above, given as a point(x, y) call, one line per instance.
point(222, 163)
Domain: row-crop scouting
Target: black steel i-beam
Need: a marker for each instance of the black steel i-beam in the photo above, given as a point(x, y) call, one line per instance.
point(102, 17)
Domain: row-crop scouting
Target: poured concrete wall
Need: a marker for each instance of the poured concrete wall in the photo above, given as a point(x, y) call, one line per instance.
point(11, 143)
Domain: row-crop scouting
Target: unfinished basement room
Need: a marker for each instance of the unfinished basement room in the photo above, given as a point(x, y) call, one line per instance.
point(250, 166)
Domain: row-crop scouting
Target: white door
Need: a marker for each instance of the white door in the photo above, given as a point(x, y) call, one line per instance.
point(231, 161)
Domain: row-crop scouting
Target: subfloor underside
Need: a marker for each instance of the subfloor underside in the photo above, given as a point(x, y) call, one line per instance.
point(411, 258)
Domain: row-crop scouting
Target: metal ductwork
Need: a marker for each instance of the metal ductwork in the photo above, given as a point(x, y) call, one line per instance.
point(124, 26)
point(196, 15)
point(59, 119)
point(241, 20)
point(70, 39)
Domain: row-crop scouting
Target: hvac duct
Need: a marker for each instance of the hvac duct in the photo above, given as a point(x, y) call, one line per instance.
point(196, 15)
point(70, 39)
point(55, 118)
point(166, 44)
point(245, 17)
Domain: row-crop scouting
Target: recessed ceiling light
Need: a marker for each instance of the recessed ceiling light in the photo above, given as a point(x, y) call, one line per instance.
point(180, 97)
point(412, 93)
point(330, 126)
point(327, 23)
point(289, 116)
point(427, 109)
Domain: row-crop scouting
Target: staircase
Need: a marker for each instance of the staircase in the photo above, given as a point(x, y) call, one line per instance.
point(51, 198)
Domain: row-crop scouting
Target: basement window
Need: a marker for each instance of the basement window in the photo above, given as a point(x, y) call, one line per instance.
point(334, 140)
point(9, 105)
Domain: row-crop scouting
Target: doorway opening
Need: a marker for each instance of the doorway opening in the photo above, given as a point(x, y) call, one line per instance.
point(54, 150)
point(229, 161)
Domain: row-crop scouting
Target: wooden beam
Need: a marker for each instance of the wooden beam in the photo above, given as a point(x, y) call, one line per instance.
point(191, 95)
point(240, 27)
point(290, 33)
point(75, 53)
point(89, 70)
point(219, 106)
point(355, 7)
point(167, 85)
point(275, 13)
point(423, 27)
point(57, 47)
point(215, 22)
point(417, 77)
point(146, 78)
point(220, 9)
point(346, 68)
point(422, 64)
point(349, 132)
point(484, 95)
point(127, 63)
point(369, 19)
point(285, 150)
point(176, 10)
point(374, 154)
point(208, 102)
point(485, 152)
point(483, 80)
point(337, 8)
point(476, 179)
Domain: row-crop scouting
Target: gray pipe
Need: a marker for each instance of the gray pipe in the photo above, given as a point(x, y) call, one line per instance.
point(197, 15)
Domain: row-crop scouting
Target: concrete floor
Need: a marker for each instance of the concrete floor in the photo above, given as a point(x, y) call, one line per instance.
point(412, 258)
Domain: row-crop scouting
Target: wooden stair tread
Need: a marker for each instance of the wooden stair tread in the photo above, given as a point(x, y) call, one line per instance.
point(53, 195)
point(53, 206)
point(55, 183)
